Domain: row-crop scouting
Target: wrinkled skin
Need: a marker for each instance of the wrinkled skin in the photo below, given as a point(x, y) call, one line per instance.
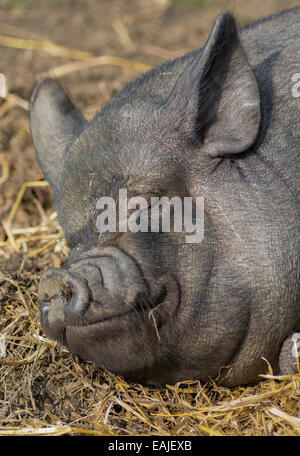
point(220, 122)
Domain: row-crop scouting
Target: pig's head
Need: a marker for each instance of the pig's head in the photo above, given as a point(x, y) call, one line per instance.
point(139, 303)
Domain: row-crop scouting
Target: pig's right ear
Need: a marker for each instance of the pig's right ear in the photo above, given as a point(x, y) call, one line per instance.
point(220, 97)
point(55, 123)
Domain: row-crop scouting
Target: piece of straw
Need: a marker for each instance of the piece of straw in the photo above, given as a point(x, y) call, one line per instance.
point(63, 70)
point(45, 46)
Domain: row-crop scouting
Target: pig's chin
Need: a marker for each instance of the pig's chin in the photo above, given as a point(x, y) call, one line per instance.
point(122, 337)
point(104, 298)
point(128, 343)
point(107, 323)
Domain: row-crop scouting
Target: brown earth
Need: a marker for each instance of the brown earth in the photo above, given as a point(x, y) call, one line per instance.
point(41, 384)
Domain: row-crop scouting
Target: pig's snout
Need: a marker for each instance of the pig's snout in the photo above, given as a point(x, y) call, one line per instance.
point(64, 299)
point(93, 290)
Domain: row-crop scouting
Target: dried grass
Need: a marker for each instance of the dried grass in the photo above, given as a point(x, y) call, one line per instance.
point(68, 68)
point(45, 390)
point(44, 46)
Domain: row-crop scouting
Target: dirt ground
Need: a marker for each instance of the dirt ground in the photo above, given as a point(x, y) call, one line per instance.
point(42, 386)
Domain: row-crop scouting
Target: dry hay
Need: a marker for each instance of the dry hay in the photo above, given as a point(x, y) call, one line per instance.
point(45, 390)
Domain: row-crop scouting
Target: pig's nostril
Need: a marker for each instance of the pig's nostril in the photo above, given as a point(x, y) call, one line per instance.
point(67, 293)
point(64, 297)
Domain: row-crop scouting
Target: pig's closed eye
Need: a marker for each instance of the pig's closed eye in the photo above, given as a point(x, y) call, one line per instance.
point(139, 208)
point(139, 203)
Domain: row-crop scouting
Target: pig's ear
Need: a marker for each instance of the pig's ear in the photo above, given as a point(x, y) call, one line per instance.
point(227, 108)
point(55, 123)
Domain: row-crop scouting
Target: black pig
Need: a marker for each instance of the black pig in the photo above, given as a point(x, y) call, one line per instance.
point(223, 123)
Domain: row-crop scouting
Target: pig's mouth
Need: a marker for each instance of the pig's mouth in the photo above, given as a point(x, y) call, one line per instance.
point(83, 328)
point(112, 324)
point(97, 296)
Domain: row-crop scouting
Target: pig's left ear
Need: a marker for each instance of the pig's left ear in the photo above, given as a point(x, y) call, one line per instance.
point(224, 101)
point(55, 123)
